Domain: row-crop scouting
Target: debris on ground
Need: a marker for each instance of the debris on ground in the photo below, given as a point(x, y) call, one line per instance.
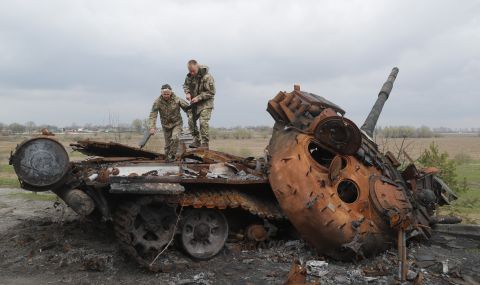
point(317, 268)
point(38, 248)
point(97, 262)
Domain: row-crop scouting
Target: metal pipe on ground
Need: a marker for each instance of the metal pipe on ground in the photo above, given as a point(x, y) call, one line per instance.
point(402, 256)
point(78, 200)
point(458, 229)
point(445, 220)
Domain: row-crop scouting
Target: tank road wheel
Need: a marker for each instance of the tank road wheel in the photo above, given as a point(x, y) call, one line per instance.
point(204, 232)
point(153, 228)
point(144, 228)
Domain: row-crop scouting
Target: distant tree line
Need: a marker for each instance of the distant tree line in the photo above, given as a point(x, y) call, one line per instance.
point(248, 132)
point(136, 126)
point(405, 132)
point(29, 127)
point(445, 130)
point(421, 132)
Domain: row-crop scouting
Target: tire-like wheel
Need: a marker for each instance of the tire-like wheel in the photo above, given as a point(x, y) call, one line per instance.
point(144, 228)
point(204, 232)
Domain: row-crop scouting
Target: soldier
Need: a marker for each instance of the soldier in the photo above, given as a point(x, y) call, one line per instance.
point(168, 105)
point(199, 89)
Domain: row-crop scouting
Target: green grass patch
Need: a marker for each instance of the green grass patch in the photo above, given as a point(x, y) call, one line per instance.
point(243, 152)
point(27, 195)
point(468, 204)
point(9, 182)
point(5, 168)
point(471, 171)
point(471, 198)
point(76, 154)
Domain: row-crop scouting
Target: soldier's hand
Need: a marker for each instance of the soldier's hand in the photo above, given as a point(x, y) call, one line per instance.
point(152, 131)
point(194, 100)
point(188, 96)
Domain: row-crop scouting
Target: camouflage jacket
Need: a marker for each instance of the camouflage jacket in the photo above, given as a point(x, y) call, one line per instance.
point(169, 112)
point(202, 86)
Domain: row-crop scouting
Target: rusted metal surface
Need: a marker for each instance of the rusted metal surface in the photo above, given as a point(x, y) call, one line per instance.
point(231, 198)
point(341, 193)
point(211, 156)
point(257, 233)
point(216, 198)
point(402, 256)
point(113, 149)
point(340, 224)
point(298, 275)
point(78, 200)
point(185, 173)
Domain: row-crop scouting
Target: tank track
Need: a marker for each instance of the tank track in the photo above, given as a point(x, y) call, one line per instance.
point(220, 199)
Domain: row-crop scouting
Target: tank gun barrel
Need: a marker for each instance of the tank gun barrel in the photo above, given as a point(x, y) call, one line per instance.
point(371, 121)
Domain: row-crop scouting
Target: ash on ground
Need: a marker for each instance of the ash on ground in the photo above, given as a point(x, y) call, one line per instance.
point(45, 244)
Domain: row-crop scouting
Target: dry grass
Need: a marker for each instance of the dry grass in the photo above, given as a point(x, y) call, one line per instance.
point(452, 144)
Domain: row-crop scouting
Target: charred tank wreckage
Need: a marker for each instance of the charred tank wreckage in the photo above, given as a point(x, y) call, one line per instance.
point(321, 174)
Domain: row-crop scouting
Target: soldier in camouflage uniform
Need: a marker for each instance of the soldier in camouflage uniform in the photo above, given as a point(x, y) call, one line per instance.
point(168, 105)
point(199, 89)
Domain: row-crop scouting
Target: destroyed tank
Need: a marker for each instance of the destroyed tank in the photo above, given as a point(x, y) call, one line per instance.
point(320, 174)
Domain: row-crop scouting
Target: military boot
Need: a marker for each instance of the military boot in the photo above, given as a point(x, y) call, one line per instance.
point(204, 145)
point(195, 144)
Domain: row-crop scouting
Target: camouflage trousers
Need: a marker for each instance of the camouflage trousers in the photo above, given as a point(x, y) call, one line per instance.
point(172, 136)
point(204, 118)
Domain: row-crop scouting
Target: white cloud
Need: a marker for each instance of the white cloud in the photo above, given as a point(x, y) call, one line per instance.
point(113, 55)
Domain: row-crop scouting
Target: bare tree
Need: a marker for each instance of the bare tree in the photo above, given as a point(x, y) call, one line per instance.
point(30, 126)
point(137, 125)
point(16, 128)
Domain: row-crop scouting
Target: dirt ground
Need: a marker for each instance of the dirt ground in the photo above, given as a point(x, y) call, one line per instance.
point(45, 243)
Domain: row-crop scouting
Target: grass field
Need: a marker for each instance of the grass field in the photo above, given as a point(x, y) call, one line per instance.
point(467, 206)
point(452, 144)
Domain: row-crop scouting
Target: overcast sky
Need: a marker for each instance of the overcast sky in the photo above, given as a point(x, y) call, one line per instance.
point(79, 61)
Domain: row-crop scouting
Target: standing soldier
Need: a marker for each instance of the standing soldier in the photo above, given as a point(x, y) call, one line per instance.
point(199, 89)
point(168, 105)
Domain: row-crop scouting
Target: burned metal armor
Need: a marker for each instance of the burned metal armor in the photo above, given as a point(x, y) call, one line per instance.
point(345, 198)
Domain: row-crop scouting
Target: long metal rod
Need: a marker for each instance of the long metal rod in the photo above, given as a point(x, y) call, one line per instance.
point(179, 179)
point(372, 118)
point(402, 256)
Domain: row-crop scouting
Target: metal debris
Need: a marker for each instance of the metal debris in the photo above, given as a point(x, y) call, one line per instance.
point(113, 149)
point(317, 268)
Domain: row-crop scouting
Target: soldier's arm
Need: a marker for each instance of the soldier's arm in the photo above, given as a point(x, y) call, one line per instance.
point(183, 104)
point(208, 88)
point(152, 120)
point(185, 85)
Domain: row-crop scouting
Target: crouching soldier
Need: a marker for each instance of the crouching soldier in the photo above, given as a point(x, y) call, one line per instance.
point(168, 105)
point(199, 89)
